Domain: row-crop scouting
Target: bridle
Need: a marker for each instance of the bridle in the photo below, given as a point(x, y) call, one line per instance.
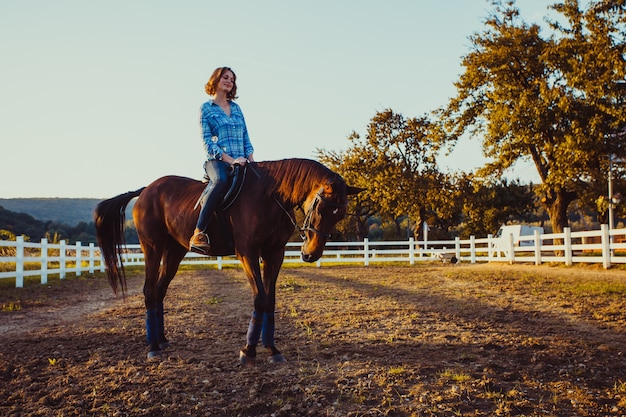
point(308, 217)
point(314, 207)
point(318, 201)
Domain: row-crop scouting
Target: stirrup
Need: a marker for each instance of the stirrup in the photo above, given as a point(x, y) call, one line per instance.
point(201, 247)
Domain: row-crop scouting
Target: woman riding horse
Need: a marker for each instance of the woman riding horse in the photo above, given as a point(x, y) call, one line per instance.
point(261, 221)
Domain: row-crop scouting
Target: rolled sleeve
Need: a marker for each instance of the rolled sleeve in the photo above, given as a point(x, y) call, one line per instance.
point(211, 148)
point(247, 144)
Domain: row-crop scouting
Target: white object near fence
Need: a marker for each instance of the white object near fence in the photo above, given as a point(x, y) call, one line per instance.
point(603, 246)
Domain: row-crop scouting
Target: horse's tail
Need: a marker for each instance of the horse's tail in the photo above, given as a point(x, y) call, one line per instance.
point(109, 217)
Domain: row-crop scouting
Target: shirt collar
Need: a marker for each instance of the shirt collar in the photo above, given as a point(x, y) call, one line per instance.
point(214, 103)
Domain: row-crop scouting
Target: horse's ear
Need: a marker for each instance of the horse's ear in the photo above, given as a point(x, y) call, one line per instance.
point(329, 188)
point(353, 190)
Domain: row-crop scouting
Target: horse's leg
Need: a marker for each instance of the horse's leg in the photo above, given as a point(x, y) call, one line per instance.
point(150, 292)
point(271, 268)
point(250, 264)
point(174, 253)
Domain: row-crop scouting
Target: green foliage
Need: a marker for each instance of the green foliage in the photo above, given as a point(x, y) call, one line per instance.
point(553, 97)
point(395, 163)
point(16, 224)
point(362, 206)
point(555, 100)
point(6, 235)
point(404, 188)
point(74, 229)
point(492, 205)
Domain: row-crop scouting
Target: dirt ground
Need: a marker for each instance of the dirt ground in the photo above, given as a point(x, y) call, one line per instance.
point(424, 340)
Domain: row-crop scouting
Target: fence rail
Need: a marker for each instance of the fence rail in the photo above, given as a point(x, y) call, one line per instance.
point(604, 246)
point(23, 259)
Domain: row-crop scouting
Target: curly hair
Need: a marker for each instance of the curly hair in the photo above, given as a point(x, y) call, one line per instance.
point(211, 85)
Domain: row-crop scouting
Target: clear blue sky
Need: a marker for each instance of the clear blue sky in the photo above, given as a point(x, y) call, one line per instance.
point(98, 98)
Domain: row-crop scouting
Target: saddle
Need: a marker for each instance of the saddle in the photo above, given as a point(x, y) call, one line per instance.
point(236, 175)
point(219, 230)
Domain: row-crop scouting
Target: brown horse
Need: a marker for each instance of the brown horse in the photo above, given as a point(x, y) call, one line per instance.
point(256, 226)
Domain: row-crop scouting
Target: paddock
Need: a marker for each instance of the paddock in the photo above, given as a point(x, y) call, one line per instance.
point(424, 340)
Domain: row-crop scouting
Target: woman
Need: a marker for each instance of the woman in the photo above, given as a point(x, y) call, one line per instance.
point(226, 143)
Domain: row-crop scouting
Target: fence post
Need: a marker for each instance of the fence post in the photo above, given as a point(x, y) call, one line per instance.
point(366, 255)
point(44, 261)
point(62, 259)
point(457, 248)
point(537, 247)
point(92, 251)
point(19, 261)
point(411, 251)
point(79, 262)
point(490, 248)
point(511, 249)
point(567, 241)
point(425, 233)
point(220, 263)
point(473, 249)
point(606, 246)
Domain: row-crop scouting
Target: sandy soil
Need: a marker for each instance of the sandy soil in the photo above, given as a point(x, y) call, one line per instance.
point(428, 340)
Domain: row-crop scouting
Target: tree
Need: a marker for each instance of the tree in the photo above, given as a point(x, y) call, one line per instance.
point(489, 206)
point(360, 208)
point(395, 163)
point(554, 101)
point(445, 196)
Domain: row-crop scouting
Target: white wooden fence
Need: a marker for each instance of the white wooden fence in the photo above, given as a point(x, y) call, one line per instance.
point(604, 246)
point(49, 258)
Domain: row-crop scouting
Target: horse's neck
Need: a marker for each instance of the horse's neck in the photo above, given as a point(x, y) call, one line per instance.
point(295, 191)
point(294, 199)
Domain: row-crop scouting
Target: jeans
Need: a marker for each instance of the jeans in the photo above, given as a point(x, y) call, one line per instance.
point(217, 172)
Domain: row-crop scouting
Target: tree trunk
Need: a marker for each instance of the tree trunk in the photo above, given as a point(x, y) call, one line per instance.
point(361, 228)
point(556, 205)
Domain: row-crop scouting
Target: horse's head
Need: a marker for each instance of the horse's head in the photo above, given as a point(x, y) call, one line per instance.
point(324, 208)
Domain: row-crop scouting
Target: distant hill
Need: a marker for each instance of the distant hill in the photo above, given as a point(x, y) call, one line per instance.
point(69, 211)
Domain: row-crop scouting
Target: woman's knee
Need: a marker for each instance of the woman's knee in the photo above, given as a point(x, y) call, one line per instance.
point(220, 181)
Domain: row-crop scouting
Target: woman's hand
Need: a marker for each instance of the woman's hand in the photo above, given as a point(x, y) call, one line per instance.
point(241, 161)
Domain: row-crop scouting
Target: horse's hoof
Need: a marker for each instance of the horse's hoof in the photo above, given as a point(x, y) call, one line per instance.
point(246, 360)
point(278, 358)
point(154, 354)
point(164, 345)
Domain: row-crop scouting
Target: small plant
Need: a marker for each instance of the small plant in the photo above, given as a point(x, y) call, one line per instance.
point(213, 300)
point(11, 307)
point(458, 377)
point(555, 398)
point(490, 393)
point(461, 378)
point(290, 283)
point(306, 326)
point(396, 370)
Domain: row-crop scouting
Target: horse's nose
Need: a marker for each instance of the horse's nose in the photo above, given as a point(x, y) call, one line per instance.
point(307, 257)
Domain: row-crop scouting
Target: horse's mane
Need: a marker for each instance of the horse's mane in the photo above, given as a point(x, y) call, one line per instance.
point(291, 179)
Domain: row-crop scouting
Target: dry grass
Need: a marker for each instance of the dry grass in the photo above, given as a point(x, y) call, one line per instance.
point(429, 340)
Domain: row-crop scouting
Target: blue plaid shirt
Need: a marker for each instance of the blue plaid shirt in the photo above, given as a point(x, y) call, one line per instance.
point(222, 133)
